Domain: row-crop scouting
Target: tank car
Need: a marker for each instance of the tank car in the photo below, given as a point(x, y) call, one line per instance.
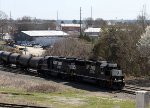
point(23, 61)
point(5, 58)
point(1, 61)
point(13, 59)
point(34, 62)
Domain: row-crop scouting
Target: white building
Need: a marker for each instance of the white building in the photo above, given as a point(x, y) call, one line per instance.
point(92, 32)
point(6, 36)
point(43, 37)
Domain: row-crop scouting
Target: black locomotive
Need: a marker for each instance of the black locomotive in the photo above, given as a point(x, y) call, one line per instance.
point(104, 73)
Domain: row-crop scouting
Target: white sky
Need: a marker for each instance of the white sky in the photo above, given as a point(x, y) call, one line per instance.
point(69, 9)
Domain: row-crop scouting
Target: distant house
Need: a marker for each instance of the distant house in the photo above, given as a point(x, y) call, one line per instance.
point(70, 27)
point(92, 32)
point(43, 37)
point(6, 36)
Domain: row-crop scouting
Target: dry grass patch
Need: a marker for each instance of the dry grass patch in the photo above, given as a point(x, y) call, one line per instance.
point(43, 88)
point(29, 83)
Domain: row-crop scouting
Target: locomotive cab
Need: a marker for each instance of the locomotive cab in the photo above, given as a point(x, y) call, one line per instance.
point(117, 79)
point(116, 76)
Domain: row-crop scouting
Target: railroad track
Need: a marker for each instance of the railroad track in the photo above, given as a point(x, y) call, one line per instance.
point(7, 105)
point(132, 89)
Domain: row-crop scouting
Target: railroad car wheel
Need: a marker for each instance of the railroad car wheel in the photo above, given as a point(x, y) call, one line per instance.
point(100, 83)
point(103, 84)
point(78, 78)
point(72, 78)
point(59, 75)
point(63, 76)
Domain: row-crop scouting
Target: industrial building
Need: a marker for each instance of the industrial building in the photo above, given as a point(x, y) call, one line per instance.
point(42, 37)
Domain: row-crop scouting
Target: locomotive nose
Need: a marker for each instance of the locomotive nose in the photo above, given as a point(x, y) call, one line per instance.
point(117, 79)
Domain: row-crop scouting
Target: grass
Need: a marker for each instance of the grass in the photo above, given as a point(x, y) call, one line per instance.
point(27, 90)
point(103, 102)
point(65, 99)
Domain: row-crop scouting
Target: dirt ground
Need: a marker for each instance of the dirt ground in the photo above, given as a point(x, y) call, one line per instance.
point(33, 51)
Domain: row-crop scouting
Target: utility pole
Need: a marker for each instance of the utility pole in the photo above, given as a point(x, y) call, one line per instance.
point(144, 17)
point(91, 17)
point(25, 46)
point(80, 22)
point(10, 16)
point(57, 23)
point(91, 13)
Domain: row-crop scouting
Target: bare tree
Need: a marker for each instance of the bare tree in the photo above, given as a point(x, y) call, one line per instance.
point(3, 22)
point(71, 48)
point(144, 43)
point(52, 25)
point(142, 19)
point(24, 23)
point(99, 22)
point(88, 22)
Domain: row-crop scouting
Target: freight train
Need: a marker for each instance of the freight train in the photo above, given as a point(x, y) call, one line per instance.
point(103, 73)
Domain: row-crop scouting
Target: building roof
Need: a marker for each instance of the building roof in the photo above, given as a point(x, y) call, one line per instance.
point(90, 29)
point(45, 33)
point(70, 25)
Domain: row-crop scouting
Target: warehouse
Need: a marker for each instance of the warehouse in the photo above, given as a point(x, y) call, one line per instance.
point(42, 37)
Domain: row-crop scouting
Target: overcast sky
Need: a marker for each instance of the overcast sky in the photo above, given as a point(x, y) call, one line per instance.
point(69, 9)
